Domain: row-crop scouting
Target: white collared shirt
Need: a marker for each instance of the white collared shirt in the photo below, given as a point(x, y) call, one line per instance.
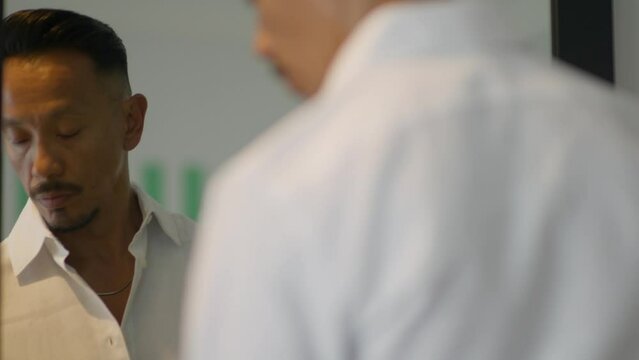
point(49, 312)
point(445, 196)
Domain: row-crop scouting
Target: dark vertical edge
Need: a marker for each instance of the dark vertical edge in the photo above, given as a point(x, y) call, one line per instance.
point(1, 164)
point(583, 35)
point(1, 145)
point(554, 4)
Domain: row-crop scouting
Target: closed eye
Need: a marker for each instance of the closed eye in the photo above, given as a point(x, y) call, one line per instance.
point(69, 135)
point(16, 136)
point(19, 141)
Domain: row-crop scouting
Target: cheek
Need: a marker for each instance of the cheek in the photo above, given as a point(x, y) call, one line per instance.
point(18, 160)
point(285, 26)
point(299, 39)
point(96, 162)
point(104, 143)
point(103, 159)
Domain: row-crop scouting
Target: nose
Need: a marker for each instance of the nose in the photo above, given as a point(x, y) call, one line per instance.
point(45, 163)
point(261, 43)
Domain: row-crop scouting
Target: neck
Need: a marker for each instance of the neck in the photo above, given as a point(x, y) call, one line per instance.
point(104, 242)
point(100, 254)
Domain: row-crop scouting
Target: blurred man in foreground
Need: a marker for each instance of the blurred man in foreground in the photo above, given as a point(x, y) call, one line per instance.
point(93, 268)
point(441, 195)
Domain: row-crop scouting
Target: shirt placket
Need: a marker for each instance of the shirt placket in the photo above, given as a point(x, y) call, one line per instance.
point(111, 337)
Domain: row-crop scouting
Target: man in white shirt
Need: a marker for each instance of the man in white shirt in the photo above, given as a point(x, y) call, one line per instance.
point(93, 268)
point(441, 195)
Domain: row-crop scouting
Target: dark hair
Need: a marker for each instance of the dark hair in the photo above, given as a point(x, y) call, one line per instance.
point(30, 32)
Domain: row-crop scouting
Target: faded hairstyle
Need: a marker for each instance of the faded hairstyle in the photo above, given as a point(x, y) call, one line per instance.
point(32, 32)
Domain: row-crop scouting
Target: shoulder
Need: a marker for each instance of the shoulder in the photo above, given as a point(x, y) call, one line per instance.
point(447, 108)
point(491, 100)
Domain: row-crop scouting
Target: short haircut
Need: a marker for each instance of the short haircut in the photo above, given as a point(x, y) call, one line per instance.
point(33, 32)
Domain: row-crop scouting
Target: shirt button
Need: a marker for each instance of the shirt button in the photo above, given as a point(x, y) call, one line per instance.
point(110, 341)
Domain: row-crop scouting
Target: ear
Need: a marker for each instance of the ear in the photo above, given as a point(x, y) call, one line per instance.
point(135, 112)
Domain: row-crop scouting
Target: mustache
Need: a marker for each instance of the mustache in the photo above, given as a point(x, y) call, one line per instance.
point(51, 186)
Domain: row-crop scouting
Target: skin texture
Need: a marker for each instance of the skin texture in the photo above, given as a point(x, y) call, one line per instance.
point(67, 131)
point(300, 38)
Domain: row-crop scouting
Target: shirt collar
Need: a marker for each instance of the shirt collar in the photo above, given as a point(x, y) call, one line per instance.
point(425, 28)
point(151, 209)
point(26, 238)
point(30, 232)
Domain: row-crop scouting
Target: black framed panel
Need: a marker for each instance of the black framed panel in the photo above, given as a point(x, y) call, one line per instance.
point(1, 145)
point(583, 35)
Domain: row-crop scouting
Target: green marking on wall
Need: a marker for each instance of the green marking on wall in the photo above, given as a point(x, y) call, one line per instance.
point(153, 181)
point(21, 197)
point(192, 196)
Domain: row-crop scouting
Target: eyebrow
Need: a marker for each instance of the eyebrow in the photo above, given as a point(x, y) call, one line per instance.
point(8, 122)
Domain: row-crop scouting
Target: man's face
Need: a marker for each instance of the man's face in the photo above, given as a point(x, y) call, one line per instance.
point(64, 130)
point(299, 38)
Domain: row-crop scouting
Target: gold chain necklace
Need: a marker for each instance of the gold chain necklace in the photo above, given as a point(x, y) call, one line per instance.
point(111, 293)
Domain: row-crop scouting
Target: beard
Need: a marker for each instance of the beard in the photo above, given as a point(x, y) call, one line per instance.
point(75, 226)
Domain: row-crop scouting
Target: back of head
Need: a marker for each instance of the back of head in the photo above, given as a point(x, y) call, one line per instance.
point(32, 32)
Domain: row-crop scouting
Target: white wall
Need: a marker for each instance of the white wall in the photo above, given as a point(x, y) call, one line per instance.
point(626, 18)
point(208, 94)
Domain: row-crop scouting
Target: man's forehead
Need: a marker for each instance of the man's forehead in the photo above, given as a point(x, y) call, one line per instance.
point(18, 116)
point(46, 70)
point(24, 83)
point(57, 72)
point(39, 89)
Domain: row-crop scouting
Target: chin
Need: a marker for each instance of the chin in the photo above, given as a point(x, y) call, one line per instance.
point(62, 223)
point(299, 89)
